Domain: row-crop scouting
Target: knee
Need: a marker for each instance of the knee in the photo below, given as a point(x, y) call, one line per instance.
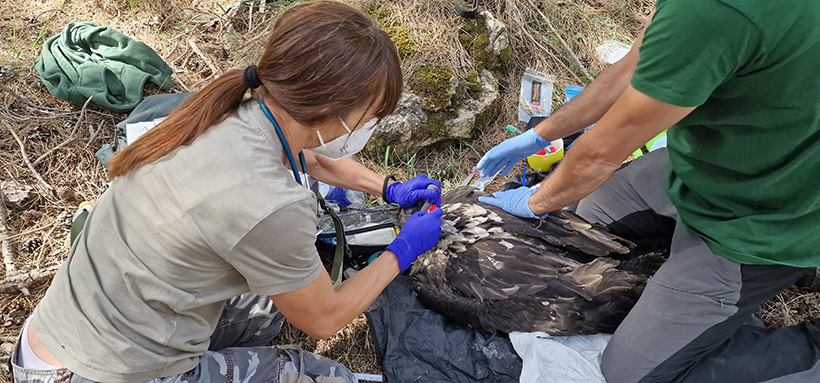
point(616, 365)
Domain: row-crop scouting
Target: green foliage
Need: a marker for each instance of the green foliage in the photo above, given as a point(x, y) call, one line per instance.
point(401, 35)
point(433, 83)
point(12, 44)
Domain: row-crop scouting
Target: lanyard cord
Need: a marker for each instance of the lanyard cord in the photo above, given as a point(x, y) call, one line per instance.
point(341, 240)
point(285, 145)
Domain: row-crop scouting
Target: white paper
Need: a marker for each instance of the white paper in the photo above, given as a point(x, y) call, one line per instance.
point(135, 130)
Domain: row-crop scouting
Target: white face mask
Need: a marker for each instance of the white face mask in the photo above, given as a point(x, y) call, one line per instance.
point(347, 144)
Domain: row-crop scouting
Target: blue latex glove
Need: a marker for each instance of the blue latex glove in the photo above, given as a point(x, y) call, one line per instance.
point(338, 196)
point(419, 234)
point(511, 151)
point(513, 201)
point(407, 193)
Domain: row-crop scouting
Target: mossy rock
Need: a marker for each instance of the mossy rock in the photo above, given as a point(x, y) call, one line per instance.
point(435, 126)
point(433, 83)
point(403, 38)
point(401, 35)
point(475, 39)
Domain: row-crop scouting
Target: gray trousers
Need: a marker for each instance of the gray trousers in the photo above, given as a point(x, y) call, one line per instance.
point(238, 352)
point(691, 323)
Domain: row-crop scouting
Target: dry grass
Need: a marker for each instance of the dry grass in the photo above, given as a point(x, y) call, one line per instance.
point(200, 40)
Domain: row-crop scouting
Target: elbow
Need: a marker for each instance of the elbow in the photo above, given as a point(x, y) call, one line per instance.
point(320, 330)
point(598, 158)
point(321, 333)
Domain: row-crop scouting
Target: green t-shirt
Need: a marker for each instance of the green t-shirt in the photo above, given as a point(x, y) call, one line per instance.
point(745, 163)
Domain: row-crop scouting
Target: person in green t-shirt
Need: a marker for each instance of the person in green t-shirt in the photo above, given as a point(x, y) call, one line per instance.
point(735, 84)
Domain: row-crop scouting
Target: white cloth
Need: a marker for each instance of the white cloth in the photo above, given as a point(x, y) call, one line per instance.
point(565, 359)
point(26, 357)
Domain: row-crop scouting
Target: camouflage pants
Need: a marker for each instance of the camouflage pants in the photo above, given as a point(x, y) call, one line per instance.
point(238, 353)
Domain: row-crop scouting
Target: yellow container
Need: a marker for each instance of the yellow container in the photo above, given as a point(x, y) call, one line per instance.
point(543, 160)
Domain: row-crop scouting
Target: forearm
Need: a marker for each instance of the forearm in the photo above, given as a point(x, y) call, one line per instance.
point(356, 293)
point(578, 175)
point(633, 120)
point(593, 102)
point(344, 173)
point(320, 310)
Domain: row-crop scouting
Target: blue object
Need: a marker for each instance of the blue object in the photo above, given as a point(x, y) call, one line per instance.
point(408, 193)
point(374, 256)
point(419, 234)
point(508, 153)
point(524, 177)
point(572, 91)
point(285, 145)
point(338, 196)
point(513, 201)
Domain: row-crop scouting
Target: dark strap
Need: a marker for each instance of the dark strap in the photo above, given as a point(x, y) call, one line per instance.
point(384, 187)
point(341, 242)
point(471, 14)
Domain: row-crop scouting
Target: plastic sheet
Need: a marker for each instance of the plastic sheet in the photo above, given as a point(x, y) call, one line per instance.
point(415, 344)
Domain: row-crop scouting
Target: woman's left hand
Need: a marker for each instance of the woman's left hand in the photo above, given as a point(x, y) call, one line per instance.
point(408, 193)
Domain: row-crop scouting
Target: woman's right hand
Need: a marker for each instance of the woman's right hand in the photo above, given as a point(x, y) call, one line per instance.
point(419, 234)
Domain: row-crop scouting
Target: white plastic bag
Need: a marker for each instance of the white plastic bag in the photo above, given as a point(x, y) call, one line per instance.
point(611, 51)
point(565, 359)
point(535, 98)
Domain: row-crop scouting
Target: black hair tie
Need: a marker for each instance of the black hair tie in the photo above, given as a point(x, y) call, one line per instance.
point(250, 78)
point(384, 187)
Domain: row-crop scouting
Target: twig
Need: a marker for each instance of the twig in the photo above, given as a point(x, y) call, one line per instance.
point(70, 137)
point(93, 134)
point(214, 71)
point(181, 83)
point(545, 49)
point(25, 158)
point(32, 230)
point(23, 282)
point(250, 15)
point(43, 246)
point(8, 252)
point(231, 14)
point(561, 40)
point(8, 338)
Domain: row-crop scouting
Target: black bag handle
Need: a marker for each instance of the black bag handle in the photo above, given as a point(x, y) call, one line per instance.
point(471, 14)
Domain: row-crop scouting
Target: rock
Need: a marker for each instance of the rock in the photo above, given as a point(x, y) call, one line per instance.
point(499, 41)
point(413, 125)
point(15, 194)
point(437, 105)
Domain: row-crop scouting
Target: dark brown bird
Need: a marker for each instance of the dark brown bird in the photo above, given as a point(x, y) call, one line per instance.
point(498, 272)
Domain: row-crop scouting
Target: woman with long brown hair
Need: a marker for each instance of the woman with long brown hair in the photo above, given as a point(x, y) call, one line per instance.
point(209, 207)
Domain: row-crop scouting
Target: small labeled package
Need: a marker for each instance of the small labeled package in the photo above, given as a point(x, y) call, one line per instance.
point(535, 98)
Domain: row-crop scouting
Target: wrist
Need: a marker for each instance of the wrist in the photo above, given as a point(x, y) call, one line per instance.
point(537, 138)
point(391, 260)
point(535, 207)
point(403, 252)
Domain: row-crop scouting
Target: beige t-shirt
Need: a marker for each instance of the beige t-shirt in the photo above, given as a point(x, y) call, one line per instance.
point(144, 286)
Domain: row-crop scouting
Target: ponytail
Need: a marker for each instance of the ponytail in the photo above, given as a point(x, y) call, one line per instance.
point(324, 59)
point(184, 125)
